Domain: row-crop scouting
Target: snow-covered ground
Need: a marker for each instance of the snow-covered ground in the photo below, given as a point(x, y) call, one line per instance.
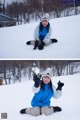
point(17, 96)
point(66, 30)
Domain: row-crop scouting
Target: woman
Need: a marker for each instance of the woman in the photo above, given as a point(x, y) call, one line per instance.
point(42, 34)
point(43, 91)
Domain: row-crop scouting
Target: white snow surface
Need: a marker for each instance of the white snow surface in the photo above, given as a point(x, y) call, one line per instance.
point(14, 97)
point(66, 30)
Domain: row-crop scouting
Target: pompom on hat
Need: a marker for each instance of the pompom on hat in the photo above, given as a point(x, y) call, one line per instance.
point(46, 17)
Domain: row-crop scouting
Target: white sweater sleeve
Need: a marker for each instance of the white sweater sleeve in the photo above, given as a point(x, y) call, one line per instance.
point(46, 39)
point(36, 33)
point(48, 36)
point(35, 90)
point(57, 93)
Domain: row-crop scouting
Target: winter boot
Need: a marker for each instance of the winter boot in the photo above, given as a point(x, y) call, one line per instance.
point(57, 109)
point(54, 40)
point(28, 43)
point(23, 111)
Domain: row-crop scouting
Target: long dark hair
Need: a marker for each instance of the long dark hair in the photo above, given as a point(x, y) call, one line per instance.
point(41, 27)
point(43, 84)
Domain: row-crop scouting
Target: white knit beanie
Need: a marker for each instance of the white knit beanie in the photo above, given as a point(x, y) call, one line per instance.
point(46, 17)
point(46, 73)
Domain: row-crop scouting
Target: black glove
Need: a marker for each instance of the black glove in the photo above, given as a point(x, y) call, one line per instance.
point(36, 80)
point(41, 46)
point(36, 44)
point(60, 85)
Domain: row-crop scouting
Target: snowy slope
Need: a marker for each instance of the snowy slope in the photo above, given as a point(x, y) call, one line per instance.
point(17, 96)
point(66, 30)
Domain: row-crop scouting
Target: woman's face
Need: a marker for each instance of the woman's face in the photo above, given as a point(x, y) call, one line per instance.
point(44, 23)
point(46, 79)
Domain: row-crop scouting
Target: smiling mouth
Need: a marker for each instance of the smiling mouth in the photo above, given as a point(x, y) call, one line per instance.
point(46, 81)
point(44, 24)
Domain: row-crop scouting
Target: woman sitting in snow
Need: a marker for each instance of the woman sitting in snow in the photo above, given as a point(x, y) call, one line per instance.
point(43, 91)
point(42, 34)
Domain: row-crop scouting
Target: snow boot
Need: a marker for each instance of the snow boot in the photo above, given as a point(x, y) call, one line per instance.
point(28, 43)
point(23, 111)
point(57, 109)
point(54, 40)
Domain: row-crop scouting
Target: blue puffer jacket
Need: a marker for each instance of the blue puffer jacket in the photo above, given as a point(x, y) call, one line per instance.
point(42, 98)
point(44, 34)
point(43, 31)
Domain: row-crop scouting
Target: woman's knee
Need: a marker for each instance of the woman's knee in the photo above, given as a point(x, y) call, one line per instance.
point(36, 111)
point(46, 110)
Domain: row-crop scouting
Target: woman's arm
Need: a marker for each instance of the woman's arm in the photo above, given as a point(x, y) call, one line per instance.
point(57, 93)
point(36, 33)
point(48, 36)
point(35, 89)
point(36, 86)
